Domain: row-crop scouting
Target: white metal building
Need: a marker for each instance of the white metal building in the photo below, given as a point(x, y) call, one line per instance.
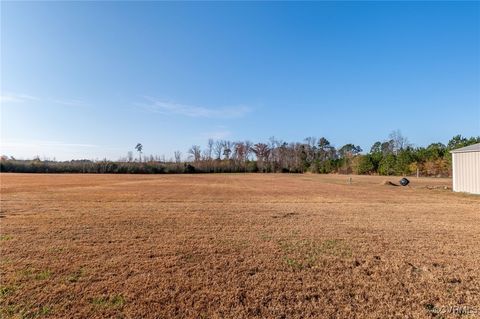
point(466, 169)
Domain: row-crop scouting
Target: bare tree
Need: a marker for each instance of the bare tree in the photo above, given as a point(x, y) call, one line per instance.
point(262, 152)
point(178, 157)
point(400, 142)
point(272, 144)
point(311, 141)
point(283, 155)
point(218, 149)
point(310, 148)
point(195, 152)
point(248, 150)
point(209, 150)
point(205, 156)
point(239, 151)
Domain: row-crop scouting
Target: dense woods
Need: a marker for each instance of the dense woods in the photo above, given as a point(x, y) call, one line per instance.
point(393, 156)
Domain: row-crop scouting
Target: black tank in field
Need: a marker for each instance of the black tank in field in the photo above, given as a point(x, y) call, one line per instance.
point(404, 182)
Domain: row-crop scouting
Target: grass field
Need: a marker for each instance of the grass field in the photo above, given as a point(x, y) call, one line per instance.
point(235, 246)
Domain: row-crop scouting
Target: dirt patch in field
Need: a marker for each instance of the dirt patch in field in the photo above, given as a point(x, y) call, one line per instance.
point(389, 183)
point(235, 246)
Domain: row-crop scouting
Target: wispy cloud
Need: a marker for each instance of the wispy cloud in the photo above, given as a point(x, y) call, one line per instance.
point(60, 150)
point(41, 143)
point(167, 107)
point(8, 98)
point(76, 103)
point(217, 135)
point(17, 98)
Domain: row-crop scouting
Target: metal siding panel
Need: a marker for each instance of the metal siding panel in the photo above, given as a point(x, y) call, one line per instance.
point(465, 169)
point(474, 188)
point(466, 172)
point(455, 172)
point(474, 175)
point(477, 172)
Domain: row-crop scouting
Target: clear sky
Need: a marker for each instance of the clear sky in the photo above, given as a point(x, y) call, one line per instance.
point(91, 79)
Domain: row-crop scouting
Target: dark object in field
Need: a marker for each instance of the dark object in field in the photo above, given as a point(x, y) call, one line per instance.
point(404, 182)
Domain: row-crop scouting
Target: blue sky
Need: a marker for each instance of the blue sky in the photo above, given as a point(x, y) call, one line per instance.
point(91, 79)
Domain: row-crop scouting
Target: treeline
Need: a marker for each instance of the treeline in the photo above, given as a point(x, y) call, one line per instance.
point(92, 167)
point(393, 156)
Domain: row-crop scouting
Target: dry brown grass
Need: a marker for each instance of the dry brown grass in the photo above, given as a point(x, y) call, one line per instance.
point(235, 246)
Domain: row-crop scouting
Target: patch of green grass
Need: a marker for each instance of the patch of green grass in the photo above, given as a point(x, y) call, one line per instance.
point(42, 275)
point(117, 301)
point(6, 290)
point(26, 273)
point(332, 247)
point(24, 311)
point(5, 237)
point(12, 311)
point(114, 301)
point(44, 310)
point(293, 263)
point(100, 301)
point(266, 237)
point(336, 247)
point(31, 273)
point(74, 277)
point(301, 254)
point(203, 315)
